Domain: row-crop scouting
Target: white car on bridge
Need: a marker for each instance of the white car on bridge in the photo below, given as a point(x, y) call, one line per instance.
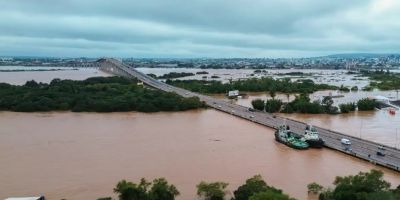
point(345, 141)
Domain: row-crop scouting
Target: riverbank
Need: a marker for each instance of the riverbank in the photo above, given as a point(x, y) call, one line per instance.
point(83, 155)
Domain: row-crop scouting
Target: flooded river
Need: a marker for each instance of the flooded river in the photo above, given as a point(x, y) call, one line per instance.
point(83, 155)
point(20, 78)
point(378, 126)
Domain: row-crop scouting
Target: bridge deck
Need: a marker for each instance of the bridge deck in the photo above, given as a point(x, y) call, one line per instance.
point(360, 148)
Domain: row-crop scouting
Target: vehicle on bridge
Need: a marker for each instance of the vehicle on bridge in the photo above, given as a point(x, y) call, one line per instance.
point(251, 110)
point(380, 153)
point(287, 137)
point(345, 141)
point(311, 136)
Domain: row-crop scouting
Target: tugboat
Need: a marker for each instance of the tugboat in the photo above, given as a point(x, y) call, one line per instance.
point(287, 137)
point(312, 138)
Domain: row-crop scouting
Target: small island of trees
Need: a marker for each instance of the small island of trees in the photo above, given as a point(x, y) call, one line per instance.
point(303, 104)
point(264, 84)
point(172, 75)
point(383, 80)
point(98, 94)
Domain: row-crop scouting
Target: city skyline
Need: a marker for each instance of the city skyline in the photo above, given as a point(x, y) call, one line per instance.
point(212, 29)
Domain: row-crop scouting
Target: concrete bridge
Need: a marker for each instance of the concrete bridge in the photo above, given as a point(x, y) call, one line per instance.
point(360, 148)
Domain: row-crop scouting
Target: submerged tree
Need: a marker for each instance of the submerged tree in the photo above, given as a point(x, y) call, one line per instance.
point(258, 104)
point(131, 191)
point(212, 191)
point(160, 190)
point(363, 186)
point(314, 188)
point(270, 195)
point(273, 105)
point(256, 188)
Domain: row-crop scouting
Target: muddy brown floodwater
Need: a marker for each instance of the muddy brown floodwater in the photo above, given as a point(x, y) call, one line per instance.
point(83, 155)
point(378, 126)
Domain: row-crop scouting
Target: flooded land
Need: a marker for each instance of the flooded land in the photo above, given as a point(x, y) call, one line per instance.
point(20, 77)
point(83, 155)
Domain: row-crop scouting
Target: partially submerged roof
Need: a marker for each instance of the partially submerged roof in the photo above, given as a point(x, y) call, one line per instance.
point(379, 97)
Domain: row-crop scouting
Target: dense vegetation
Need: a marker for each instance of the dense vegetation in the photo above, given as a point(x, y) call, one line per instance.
point(271, 105)
point(366, 104)
point(159, 190)
point(202, 72)
point(175, 75)
point(344, 89)
point(99, 94)
point(252, 85)
point(347, 107)
point(383, 80)
point(363, 186)
point(258, 104)
point(255, 188)
point(294, 74)
point(303, 104)
point(212, 191)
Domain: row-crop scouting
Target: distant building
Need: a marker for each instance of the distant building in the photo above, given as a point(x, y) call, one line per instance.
point(381, 99)
point(6, 59)
point(233, 93)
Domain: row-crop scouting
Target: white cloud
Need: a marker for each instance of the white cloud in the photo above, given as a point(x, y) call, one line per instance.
point(198, 28)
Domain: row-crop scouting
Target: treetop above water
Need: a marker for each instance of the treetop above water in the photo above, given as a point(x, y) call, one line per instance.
point(98, 94)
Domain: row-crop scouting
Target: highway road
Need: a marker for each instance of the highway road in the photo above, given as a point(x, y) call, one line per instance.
point(360, 148)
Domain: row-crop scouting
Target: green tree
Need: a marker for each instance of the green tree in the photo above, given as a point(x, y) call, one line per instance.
point(270, 195)
point(273, 105)
point(363, 186)
point(98, 94)
point(344, 89)
point(252, 186)
point(161, 190)
point(258, 104)
point(327, 101)
point(31, 84)
point(130, 191)
point(314, 188)
point(366, 104)
point(105, 198)
point(212, 191)
point(347, 107)
point(272, 92)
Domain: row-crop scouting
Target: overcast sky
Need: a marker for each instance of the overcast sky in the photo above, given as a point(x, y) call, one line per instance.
point(198, 28)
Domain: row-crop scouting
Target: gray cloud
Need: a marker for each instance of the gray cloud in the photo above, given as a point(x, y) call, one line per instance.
point(198, 28)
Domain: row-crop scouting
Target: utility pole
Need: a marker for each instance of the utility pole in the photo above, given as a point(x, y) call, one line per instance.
point(361, 127)
point(397, 139)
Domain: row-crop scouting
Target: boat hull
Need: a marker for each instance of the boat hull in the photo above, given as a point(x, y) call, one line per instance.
point(316, 143)
point(278, 139)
